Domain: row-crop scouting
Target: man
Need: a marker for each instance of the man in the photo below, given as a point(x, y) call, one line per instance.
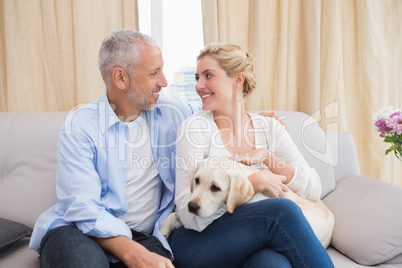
point(115, 159)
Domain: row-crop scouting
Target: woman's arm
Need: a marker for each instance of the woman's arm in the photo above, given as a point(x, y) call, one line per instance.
point(305, 180)
point(284, 158)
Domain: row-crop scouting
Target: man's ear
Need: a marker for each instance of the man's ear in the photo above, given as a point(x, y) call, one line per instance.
point(120, 78)
point(240, 191)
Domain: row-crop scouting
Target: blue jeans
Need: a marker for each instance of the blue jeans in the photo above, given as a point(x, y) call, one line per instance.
point(67, 246)
point(268, 233)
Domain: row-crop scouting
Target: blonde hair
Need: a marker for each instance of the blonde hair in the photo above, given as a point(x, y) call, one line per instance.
point(233, 59)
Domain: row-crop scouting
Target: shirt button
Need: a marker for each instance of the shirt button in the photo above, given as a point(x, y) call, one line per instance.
point(125, 166)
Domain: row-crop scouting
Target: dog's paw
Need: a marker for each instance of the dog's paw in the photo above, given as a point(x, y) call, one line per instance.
point(171, 223)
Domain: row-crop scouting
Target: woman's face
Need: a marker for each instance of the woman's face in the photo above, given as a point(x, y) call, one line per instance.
point(214, 86)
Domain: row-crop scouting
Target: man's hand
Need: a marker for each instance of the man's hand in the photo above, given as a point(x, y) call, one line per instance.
point(132, 253)
point(149, 259)
point(272, 114)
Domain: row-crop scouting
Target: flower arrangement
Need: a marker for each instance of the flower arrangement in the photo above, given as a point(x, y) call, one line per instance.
point(388, 121)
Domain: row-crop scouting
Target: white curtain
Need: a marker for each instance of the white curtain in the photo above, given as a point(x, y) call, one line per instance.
point(49, 50)
point(337, 60)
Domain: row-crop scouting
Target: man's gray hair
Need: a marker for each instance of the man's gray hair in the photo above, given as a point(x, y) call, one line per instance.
point(121, 49)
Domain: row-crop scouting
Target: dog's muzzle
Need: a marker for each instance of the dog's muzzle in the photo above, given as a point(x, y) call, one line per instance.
point(193, 207)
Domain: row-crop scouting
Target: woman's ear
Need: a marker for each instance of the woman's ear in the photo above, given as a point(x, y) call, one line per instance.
point(120, 78)
point(239, 82)
point(240, 77)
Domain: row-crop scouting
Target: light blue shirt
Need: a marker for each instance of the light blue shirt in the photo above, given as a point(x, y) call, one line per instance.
point(92, 162)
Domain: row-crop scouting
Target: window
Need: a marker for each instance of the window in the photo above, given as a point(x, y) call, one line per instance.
point(177, 25)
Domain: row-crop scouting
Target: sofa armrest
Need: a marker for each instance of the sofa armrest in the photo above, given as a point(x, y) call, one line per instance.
point(368, 219)
point(344, 155)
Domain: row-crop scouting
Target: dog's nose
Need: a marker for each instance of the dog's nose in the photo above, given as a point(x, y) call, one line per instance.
point(193, 207)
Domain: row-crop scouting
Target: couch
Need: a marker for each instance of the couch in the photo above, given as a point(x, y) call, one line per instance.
point(368, 212)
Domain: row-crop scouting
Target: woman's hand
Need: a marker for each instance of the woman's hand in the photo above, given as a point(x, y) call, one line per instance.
point(276, 165)
point(256, 156)
point(268, 183)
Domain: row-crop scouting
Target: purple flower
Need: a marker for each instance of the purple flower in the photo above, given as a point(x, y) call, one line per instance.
point(394, 123)
point(398, 113)
point(381, 126)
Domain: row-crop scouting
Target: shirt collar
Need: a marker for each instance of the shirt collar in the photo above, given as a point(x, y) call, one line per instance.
point(107, 116)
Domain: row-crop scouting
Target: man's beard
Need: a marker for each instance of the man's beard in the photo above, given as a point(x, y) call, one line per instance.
point(139, 99)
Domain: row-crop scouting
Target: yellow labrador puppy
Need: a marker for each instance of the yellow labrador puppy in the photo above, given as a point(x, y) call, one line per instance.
point(217, 181)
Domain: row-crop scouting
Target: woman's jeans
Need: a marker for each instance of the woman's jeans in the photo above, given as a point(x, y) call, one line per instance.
point(67, 246)
point(268, 233)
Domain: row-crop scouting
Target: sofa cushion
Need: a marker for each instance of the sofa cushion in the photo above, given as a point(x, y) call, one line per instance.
point(19, 255)
point(368, 219)
point(341, 261)
point(11, 231)
point(28, 164)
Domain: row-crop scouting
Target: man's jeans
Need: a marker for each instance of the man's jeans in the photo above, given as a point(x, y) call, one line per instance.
point(67, 246)
point(268, 233)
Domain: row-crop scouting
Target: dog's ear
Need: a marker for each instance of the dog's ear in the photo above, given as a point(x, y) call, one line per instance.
point(240, 191)
point(192, 179)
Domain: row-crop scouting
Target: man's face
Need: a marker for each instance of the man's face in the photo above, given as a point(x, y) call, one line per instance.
point(148, 79)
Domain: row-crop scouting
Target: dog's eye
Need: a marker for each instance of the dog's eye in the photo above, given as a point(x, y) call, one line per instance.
point(215, 189)
point(197, 181)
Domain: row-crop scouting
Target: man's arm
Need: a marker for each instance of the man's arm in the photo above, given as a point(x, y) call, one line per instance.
point(79, 185)
point(132, 253)
point(272, 114)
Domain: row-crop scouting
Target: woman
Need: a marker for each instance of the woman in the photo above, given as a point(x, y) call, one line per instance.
point(269, 233)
